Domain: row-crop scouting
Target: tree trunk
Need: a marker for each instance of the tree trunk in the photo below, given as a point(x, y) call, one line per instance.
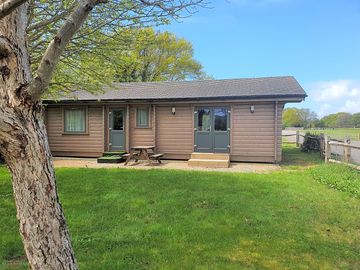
point(25, 148)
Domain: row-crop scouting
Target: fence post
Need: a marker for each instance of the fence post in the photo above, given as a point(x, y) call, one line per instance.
point(322, 145)
point(327, 148)
point(297, 138)
point(347, 150)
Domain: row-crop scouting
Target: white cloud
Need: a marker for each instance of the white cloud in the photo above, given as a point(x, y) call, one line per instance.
point(355, 92)
point(351, 106)
point(328, 91)
point(334, 96)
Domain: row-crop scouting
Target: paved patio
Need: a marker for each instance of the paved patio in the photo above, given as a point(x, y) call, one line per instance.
point(166, 164)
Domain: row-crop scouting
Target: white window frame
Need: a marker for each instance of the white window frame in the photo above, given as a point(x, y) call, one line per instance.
point(85, 109)
point(136, 117)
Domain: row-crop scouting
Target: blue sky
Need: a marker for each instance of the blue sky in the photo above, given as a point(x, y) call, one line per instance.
point(317, 41)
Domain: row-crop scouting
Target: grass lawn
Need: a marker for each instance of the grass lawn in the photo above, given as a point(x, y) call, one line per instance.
point(339, 133)
point(293, 158)
point(158, 219)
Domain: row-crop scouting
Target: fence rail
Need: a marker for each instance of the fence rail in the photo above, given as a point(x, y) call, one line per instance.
point(344, 144)
point(347, 147)
point(345, 152)
point(297, 136)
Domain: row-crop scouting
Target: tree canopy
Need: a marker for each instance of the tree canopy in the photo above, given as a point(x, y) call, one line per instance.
point(355, 120)
point(340, 119)
point(294, 117)
point(155, 56)
point(115, 43)
point(130, 55)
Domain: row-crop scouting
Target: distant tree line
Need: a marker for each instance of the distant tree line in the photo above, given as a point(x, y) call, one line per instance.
point(294, 117)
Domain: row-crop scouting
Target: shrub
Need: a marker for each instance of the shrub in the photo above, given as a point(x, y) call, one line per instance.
point(311, 143)
point(338, 176)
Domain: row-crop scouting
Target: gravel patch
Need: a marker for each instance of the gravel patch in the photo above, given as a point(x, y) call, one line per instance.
point(166, 164)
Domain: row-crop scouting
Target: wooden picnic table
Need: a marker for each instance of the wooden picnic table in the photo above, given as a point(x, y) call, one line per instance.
point(140, 153)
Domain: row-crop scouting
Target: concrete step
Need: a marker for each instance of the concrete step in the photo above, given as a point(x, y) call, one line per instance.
point(217, 156)
point(209, 163)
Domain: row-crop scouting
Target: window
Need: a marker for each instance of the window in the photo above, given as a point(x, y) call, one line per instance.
point(142, 117)
point(75, 120)
point(220, 116)
point(204, 120)
point(118, 120)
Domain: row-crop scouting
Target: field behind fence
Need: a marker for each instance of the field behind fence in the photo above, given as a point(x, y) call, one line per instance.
point(337, 147)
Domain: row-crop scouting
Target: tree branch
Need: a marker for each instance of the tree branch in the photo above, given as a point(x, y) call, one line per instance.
point(8, 6)
point(57, 45)
point(50, 20)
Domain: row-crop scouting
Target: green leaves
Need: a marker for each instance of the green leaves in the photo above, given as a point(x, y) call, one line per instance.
point(340, 177)
point(127, 56)
point(294, 117)
point(113, 44)
point(155, 56)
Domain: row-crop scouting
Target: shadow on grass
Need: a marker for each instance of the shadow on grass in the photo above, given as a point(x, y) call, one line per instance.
point(294, 158)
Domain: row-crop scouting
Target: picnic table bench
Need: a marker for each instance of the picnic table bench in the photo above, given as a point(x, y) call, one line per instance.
point(157, 157)
point(142, 153)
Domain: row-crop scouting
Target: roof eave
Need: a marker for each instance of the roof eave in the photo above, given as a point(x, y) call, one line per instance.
point(287, 98)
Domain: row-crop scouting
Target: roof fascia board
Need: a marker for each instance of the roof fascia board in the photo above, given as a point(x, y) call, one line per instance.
point(160, 100)
point(124, 102)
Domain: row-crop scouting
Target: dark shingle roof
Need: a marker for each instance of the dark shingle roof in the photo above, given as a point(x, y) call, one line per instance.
point(270, 87)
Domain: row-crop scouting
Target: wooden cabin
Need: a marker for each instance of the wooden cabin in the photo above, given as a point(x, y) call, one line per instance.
point(241, 117)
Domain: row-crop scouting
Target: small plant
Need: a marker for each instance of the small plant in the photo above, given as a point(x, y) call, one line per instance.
point(311, 143)
point(340, 177)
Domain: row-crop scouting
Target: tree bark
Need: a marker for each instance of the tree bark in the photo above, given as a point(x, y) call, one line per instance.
point(25, 148)
point(7, 6)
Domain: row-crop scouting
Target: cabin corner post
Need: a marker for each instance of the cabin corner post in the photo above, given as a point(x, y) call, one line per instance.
point(193, 127)
point(104, 127)
point(107, 126)
point(154, 126)
point(127, 128)
point(231, 130)
point(276, 133)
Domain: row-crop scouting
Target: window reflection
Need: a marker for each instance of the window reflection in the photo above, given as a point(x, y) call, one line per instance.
point(204, 120)
point(118, 120)
point(220, 119)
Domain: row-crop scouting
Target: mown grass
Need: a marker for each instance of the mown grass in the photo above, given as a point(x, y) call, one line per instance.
point(294, 158)
point(338, 133)
point(158, 219)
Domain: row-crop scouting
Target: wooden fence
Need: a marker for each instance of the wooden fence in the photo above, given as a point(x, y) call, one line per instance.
point(297, 135)
point(326, 142)
point(346, 155)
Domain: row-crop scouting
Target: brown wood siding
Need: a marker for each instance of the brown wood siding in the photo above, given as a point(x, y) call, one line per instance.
point(91, 144)
point(140, 136)
point(253, 134)
point(174, 133)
